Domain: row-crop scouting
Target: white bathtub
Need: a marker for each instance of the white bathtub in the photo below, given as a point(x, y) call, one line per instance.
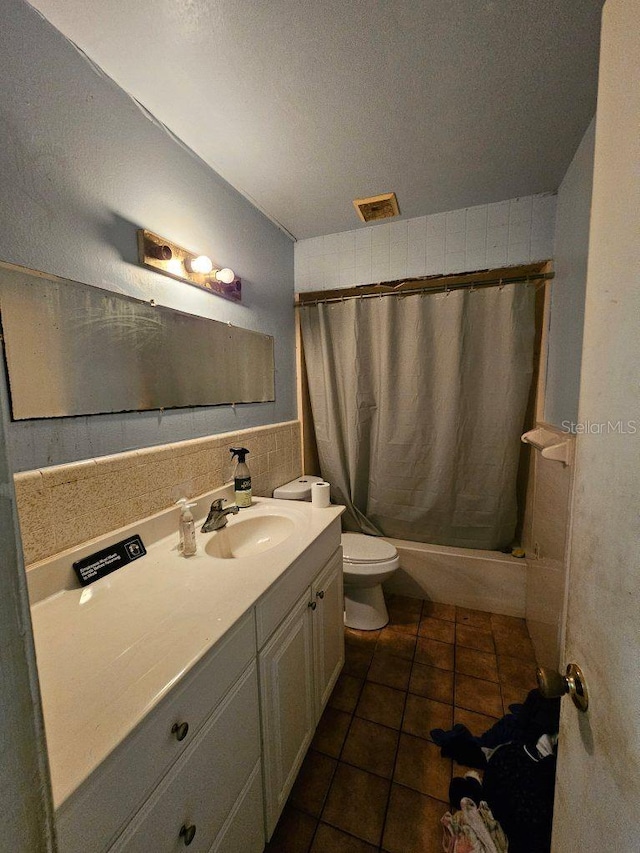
point(482, 580)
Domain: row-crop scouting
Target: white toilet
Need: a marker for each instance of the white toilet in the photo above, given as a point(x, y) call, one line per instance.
point(366, 563)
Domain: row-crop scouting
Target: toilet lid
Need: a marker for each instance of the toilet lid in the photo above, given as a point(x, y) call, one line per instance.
point(358, 548)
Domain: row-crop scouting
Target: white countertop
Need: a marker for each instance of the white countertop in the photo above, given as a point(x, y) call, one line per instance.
point(108, 652)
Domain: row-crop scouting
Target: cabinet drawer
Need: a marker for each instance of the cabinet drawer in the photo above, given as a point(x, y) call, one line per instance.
point(92, 817)
point(278, 601)
point(243, 831)
point(206, 783)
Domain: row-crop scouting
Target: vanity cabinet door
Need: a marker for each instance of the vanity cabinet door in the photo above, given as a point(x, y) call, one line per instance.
point(215, 780)
point(328, 630)
point(288, 705)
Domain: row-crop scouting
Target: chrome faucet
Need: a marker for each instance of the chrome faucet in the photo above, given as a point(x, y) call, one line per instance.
point(217, 517)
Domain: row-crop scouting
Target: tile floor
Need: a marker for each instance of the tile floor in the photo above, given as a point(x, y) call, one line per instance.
point(372, 779)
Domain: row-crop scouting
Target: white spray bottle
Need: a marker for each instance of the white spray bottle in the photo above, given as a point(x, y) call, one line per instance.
point(188, 544)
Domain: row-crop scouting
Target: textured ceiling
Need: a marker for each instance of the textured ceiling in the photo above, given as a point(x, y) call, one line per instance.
point(303, 106)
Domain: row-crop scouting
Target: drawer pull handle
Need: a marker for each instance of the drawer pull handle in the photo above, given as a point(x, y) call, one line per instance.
point(187, 833)
point(320, 594)
point(180, 730)
point(312, 605)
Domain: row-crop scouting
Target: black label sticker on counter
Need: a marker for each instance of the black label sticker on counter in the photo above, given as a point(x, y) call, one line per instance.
point(102, 563)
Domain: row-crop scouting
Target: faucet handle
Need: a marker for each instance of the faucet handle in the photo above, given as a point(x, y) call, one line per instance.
point(217, 504)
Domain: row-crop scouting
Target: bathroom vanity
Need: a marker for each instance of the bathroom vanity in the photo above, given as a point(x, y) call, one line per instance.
point(180, 695)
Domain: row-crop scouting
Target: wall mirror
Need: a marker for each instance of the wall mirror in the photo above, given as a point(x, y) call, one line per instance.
point(73, 349)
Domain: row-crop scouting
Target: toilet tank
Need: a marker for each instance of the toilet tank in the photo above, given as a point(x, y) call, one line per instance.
point(297, 490)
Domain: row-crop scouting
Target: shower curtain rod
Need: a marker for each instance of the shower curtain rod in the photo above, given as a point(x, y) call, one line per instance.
point(439, 284)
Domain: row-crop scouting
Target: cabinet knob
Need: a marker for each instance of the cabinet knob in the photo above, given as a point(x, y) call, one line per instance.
point(312, 605)
point(187, 833)
point(320, 594)
point(180, 730)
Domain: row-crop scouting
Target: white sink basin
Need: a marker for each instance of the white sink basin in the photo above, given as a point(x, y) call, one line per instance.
point(245, 537)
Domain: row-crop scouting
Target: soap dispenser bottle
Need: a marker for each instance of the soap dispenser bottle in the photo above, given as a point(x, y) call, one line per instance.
point(187, 529)
point(242, 477)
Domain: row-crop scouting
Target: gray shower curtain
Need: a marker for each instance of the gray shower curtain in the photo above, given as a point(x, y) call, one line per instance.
point(418, 404)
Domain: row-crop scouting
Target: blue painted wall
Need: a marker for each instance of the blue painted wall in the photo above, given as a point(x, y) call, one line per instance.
point(82, 166)
point(573, 215)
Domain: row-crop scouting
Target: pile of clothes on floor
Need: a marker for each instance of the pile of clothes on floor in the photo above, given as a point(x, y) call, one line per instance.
point(511, 808)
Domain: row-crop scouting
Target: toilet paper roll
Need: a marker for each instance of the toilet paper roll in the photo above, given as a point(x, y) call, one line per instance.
point(320, 495)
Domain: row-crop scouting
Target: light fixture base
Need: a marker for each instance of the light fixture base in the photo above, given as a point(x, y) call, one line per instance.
point(164, 256)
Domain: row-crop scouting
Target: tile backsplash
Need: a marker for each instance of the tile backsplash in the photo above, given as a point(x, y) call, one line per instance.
point(545, 540)
point(65, 505)
point(516, 231)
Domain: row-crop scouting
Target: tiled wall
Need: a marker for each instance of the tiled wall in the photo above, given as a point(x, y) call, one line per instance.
point(545, 541)
point(65, 505)
point(511, 232)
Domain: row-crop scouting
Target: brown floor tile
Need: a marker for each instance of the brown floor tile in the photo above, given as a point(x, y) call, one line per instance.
point(381, 704)
point(437, 629)
point(312, 783)
point(479, 695)
point(421, 715)
point(506, 625)
point(403, 622)
point(394, 672)
point(346, 693)
point(439, 611)
point(515, 647)
point(474, 638)
point(420, 766)
point(331, 732)
point(518, 674)
point(432, 682)
point(371, 747)
point(478, 664)
point(475, 618)
point(405, 604)
point(353, 637)
point(331, 840)
point(293, 834)
point(357, 660)
point(434, 653)
point(477, 723)
point(356, 803)
point(413, 822)
point(396, 643)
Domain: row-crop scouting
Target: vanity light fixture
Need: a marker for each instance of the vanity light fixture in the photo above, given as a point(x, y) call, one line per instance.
point(169, 258)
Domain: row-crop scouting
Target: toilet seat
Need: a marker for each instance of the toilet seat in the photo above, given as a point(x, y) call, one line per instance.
point(367, 561)
point(359, 549)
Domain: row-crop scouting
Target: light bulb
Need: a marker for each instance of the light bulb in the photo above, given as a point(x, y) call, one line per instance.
point(202, 264)
point(226, 276)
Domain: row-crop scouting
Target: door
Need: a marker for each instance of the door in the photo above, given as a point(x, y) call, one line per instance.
point(328, 629)
point(288, 705)
point(598, 786)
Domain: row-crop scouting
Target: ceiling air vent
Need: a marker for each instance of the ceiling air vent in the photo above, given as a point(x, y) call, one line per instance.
point(377, 207)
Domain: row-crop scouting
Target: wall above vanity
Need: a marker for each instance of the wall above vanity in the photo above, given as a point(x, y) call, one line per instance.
point(99, 169)
point(62, 506)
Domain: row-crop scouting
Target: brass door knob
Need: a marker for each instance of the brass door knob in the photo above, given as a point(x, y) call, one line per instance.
point(553, 684)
